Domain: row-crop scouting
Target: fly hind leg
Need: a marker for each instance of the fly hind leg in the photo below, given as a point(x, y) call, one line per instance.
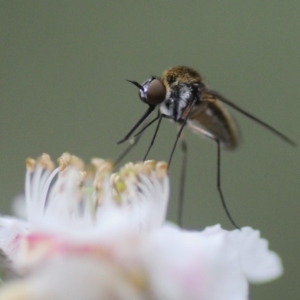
point(184, 151)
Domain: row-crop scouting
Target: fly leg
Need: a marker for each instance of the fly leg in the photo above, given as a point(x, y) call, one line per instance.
point(184, 151)
point(134, 141)
point(219, 185)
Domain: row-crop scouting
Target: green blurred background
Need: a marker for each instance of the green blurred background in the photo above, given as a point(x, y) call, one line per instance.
point(63, 88)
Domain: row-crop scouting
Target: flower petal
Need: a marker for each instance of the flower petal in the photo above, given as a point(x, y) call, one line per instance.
point(187, 265)
point(11, 234)
point(258, 262)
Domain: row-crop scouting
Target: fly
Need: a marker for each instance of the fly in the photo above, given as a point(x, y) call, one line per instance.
point(182, 96)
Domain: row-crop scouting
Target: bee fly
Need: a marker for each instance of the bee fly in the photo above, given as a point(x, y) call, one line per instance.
point(182, 96)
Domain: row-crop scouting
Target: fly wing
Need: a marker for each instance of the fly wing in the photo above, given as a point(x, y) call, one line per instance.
point(212, 120)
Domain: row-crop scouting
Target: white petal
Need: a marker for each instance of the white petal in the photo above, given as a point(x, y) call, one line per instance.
point(187, 265)
point(142, 207)
point(6, 267)
point(259, 263)
point(76, 278)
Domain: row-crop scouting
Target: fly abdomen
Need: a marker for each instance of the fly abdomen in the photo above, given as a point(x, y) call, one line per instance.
point(213, 121)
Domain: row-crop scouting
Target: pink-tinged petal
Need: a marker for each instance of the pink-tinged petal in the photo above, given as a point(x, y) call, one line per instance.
point(12, 231)
point(185, 265)
point(78, 278)
point(117, 221)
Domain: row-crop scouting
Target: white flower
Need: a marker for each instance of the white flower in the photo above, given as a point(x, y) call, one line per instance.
point(90, 234)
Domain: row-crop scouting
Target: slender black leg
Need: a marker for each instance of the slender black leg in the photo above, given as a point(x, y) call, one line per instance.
point(219, 186)
point(133, 143)
point(138, 123)
point(135, 140)
point(154, 136)
point(180, 131)
point(182, 180)
point(146, 126)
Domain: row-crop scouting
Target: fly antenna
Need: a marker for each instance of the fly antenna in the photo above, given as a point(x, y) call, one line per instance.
point(135, 83)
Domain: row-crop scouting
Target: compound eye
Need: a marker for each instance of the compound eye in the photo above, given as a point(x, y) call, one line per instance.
point(156, 92)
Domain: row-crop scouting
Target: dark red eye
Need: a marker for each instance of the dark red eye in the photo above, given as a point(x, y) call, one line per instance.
point(156, 92)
